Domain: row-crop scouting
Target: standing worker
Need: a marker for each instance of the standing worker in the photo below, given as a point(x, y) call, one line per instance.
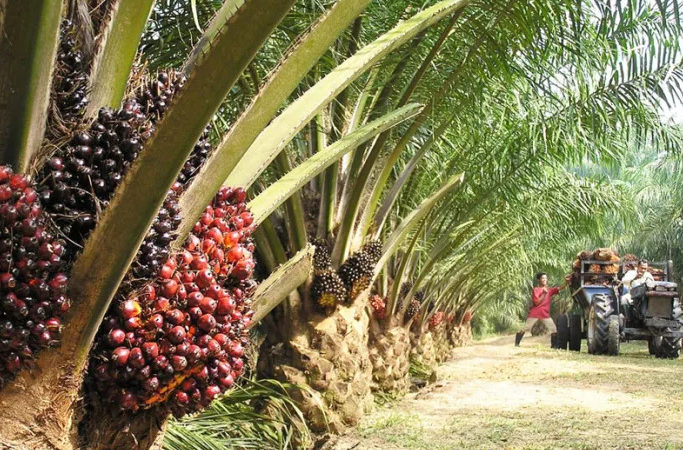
point(540, 308)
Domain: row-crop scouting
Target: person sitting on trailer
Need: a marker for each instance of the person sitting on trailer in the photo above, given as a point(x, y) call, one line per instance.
point(540, 309)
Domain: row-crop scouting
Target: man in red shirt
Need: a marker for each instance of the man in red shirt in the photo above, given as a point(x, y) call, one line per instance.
point(540, 309)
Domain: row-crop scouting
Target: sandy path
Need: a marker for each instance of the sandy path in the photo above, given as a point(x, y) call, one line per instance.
point(493, 395)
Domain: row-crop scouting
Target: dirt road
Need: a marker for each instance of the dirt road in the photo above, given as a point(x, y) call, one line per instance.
point(493, 395)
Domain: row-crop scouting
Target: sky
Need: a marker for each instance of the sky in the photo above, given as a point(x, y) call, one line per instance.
point(674, 114)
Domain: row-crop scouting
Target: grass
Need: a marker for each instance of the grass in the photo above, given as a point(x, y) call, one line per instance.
point(493, 395)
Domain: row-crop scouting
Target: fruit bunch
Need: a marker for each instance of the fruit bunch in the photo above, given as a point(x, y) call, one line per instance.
point(412, 310)
point(327, 289)
point(436, 319)
point(379, 306)
point(179, 341)
point(405, 289)
point(467, 317)
point(155, 248)
point(32, 286)
point(70, 82)
point(357, 271)
point(81, 176)
point(601, 254)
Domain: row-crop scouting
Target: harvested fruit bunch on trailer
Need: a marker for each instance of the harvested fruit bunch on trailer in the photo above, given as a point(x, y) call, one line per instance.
point(605, 312)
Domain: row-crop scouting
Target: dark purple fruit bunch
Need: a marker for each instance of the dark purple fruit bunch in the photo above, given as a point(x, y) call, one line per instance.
point(357, 271)
point(412, 310)
point(406, 287)
point(196, 160)
point(32, 286)
point(179, 342)
point(79, 179)
point(327, 289)
point(155, 249)
point(70, 79)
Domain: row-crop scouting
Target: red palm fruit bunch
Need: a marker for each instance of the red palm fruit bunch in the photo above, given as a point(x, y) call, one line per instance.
point(179, 341)
point(467, 317)
point(436, 319)
point(32, 286)
point(379, 306)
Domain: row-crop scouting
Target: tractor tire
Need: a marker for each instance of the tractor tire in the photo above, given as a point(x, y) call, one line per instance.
point(598, 324)
point(613, 336)
point(670, 348)
point(562, 332)
point(653, 344)
point(575, 332)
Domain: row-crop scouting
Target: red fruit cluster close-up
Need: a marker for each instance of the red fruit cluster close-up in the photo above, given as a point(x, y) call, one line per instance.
point(32, 286)
point(436, 319)
point(180, 340)
point(379, 306)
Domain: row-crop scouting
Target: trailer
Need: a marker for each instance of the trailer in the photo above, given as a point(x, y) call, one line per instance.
point(605, 318)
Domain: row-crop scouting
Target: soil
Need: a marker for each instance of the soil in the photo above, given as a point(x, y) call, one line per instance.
point(493, 395)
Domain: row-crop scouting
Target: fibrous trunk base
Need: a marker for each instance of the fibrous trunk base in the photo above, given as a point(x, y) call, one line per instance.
point(389, 354)
point(330, 356)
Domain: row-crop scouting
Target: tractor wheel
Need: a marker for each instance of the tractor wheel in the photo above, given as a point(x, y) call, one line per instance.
point(653, 344)
point(669, 348)
point(613, 336)
point(562, 332)
point(598, 324)
point(575, 332)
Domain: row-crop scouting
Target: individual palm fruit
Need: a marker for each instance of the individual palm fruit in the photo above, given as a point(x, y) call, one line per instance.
point(327, 289)
point(436, 319)
point(412, 310)
point(32, 286)
point(379, 306)
point(184, 333)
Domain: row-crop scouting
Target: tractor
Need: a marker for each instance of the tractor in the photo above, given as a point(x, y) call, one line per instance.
point(605, 318)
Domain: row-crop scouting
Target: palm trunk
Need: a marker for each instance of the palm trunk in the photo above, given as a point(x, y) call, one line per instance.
point(329, 355)
point(390, 356)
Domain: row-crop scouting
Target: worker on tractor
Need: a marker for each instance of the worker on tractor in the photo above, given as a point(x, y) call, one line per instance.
point(540, 309)
point(636, 277)
point(633, 278)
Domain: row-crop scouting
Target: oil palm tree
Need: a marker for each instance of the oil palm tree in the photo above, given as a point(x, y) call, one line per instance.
point(304, 98)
